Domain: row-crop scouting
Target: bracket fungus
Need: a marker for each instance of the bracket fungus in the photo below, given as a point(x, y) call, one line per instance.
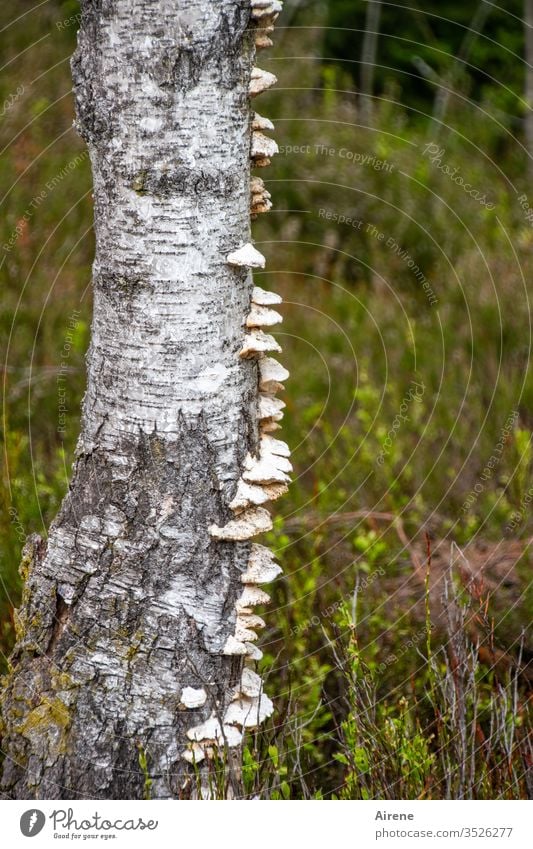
point(248, 494)
point(262, 317)
point(260, 81)
point(208, 730)
point(270, 407)
point(243, 631)
point(195, 754)
point(248, 524)
point(192, 698)
point(269, 468)
point(263, 298)
point(260, 8)
point(251, 597)
point(260, 123)
point(246, 257)
point(211, 731)
point(275, 446)
point(259, 197)
point(260, 207)
point(262, 568)
point(232, 646)
point(262, 146)
point(249, 621)
point(254, 653)
point(269, 425)
point(271, 373)
point(262, 40)
point(258, 342)
point(265, 471)
point(249, 712)
point(251, 683)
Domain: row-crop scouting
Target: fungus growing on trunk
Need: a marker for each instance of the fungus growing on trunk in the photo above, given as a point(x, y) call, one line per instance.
point(258, 342)
point(275, 446)
point(262, 568)
point(265, 471)
point(248, 524)
point(260, 123)
point(261, 81)
point(262, 317)
point(259, 198)
point(264, 298)
point(192, 698)
point(249, 712)
point(270, 407)
point(248, 495)
point(271, 373)
point(262, 146)
point(251, 597)
point(246, 257)
point(269, 468)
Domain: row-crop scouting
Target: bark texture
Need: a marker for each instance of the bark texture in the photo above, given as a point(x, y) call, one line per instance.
point(132, 599)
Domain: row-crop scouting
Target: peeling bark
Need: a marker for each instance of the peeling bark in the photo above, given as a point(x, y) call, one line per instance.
point(131, 604)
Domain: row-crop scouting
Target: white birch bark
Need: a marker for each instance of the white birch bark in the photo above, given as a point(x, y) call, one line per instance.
point(130, 606)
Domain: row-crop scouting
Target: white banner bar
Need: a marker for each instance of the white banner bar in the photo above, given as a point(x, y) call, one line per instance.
point(306, 825)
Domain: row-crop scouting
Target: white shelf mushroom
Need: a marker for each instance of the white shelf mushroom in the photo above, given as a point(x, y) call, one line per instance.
point(195, 754)
point(271, 445)
point(193, 698)
point(261, 567)
point(262, 317)
point(263, 298)
point(269, 10)
point(260, 208)
point(250, 620)
point(244, 634)
point(269, 468)
point(260, 197)
point(257, 342)
point(250, 494)
point(247, 257)
point(208, 730)
point(260, 81)
point(269, 425)
point(254, 653)
point(250, 597)
point(249, 524)
point(271, 373)
point(262, 146)
point(270, 407)
point(261, 123)
point(211, 730)
point(233, 646)
point(262, 41)
point(249, 712)
point(251, 683)
point(257, 187)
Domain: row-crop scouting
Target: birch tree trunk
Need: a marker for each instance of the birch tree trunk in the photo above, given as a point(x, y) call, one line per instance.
point(136, 617)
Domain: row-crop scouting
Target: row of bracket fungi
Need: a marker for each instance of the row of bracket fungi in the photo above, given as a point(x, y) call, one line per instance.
point(265, 476)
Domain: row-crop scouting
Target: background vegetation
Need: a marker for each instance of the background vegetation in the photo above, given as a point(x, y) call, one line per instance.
point(398, 637)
